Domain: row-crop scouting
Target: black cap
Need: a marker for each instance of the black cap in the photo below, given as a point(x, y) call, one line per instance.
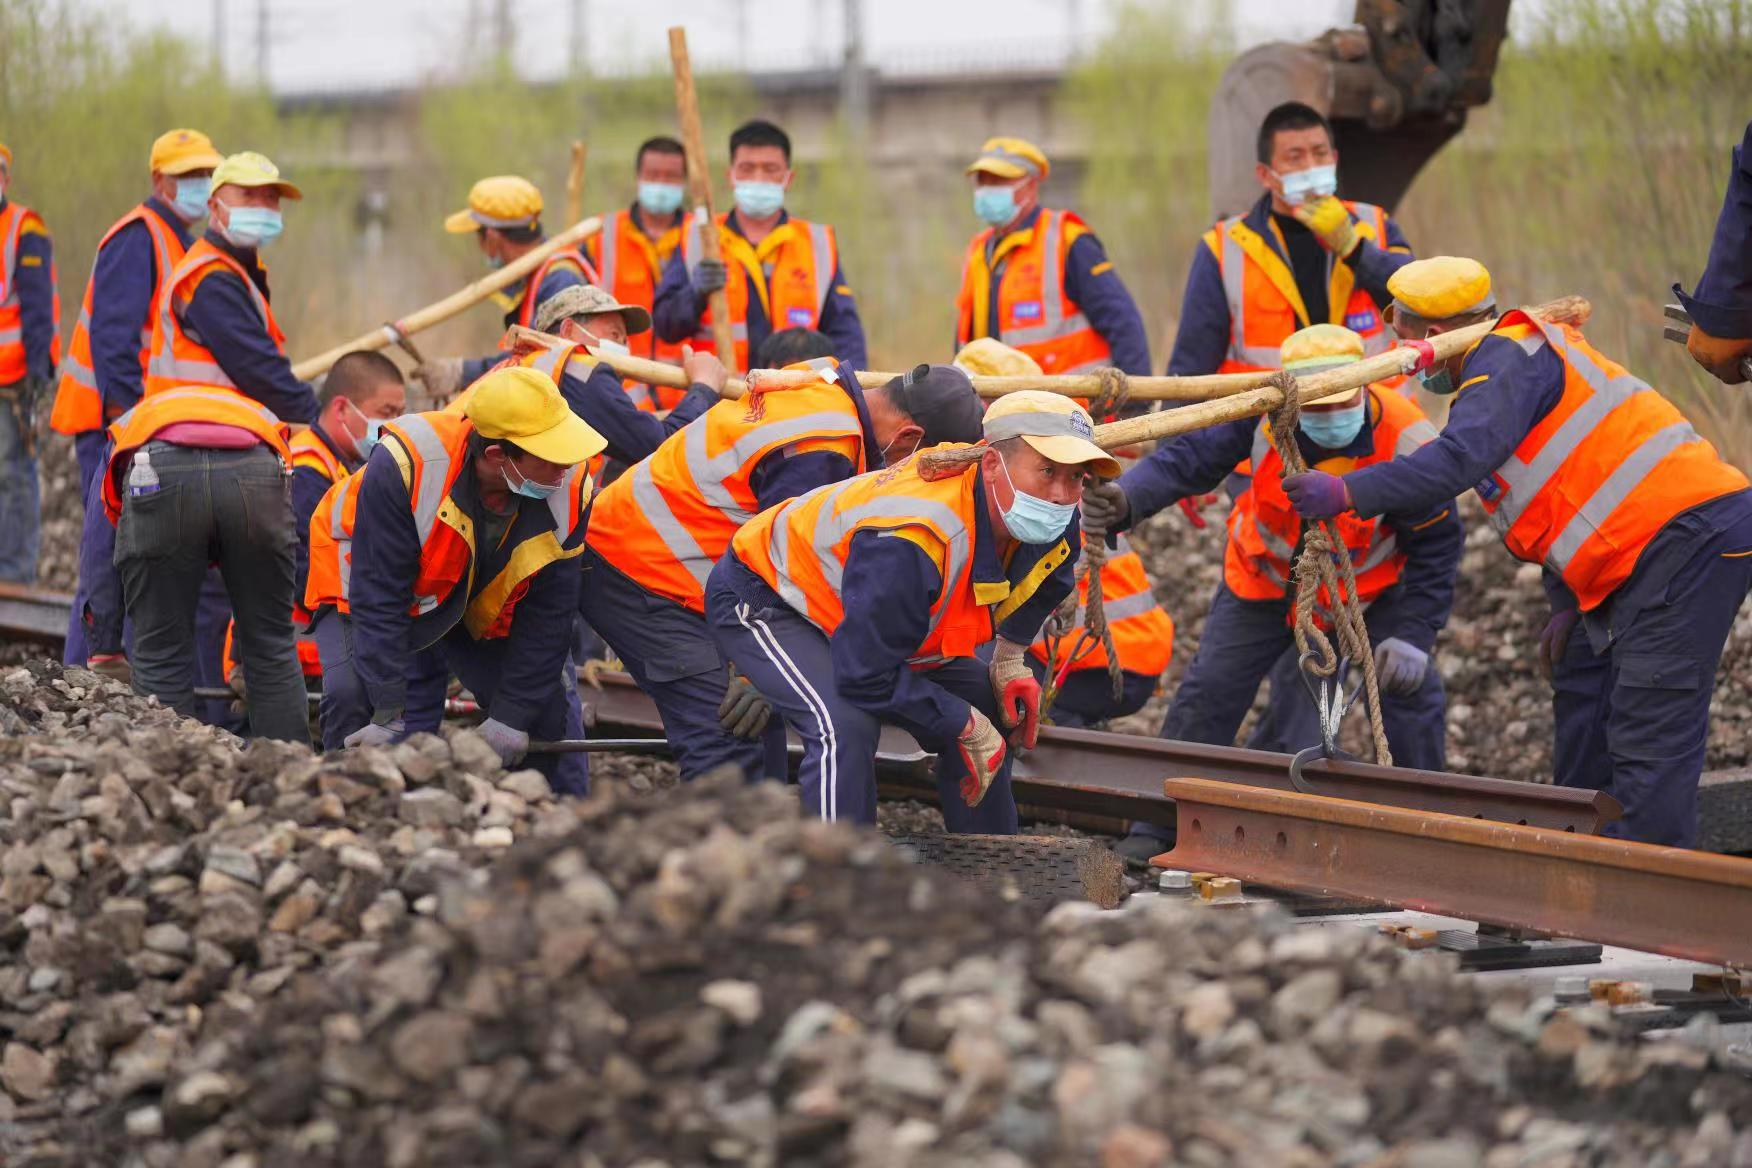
point(941, 399)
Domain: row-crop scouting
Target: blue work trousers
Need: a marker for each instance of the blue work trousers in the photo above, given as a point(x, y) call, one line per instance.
point(789, 660)
point(21, 495)
point(478, 665)
point(1633, 719)
point(344, 707)
point(670, 653)
point(1085, 701)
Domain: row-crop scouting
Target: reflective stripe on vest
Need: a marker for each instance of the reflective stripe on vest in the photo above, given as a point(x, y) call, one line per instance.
point(824, 262)
point(166, 367)
point(1053, 321)
point(308, 443)
point(428, 446)
point(608, 249)
point(342, 533)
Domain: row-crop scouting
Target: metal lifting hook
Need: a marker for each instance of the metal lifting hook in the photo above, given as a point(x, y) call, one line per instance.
point(1331, 705)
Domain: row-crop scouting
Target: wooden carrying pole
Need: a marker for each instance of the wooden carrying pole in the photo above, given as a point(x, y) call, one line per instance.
point(452, 305)
point(575, 183)
point(693, 141)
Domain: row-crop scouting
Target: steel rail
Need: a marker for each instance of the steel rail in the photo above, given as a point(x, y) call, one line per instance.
point(31, 614)
point(1692, 905)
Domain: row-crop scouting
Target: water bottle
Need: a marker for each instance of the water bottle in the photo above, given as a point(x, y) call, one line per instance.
point(142, 480)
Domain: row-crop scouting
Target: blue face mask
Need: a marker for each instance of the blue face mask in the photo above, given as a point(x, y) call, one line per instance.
point(251, 226)
point(528, 488)
point(191, 197)
point(760, 200)
point(1034, 520)
point(1437, 381)
point(1314, 183)
point(1334, 429)
point(367, 442)
point(994, 205)
point(660, 198)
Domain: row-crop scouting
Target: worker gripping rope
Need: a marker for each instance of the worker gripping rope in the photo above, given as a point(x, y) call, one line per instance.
point(460, 534)
point(1406, 564)
point(30, 348)
point(657, 532)
point(1644, 533)
point(1721, 304)
point(864, 602)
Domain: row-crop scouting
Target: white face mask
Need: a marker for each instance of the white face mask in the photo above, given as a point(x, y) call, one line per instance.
point(604, 346)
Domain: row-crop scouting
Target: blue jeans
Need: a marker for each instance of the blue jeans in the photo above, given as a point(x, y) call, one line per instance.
point(21, 499)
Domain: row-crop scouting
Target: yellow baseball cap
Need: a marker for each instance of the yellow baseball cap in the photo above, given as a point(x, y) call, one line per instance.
point(1441, 287)
point(1053, 424)
point(180, 151)
point(504, 200)
point(249, 169)
point(523, 405)
point(990, 357)
point(1010, 158)
point(1320, 346)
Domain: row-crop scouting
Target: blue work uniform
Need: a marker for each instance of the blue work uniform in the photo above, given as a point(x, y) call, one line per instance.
point(668, 648)
point(558, 279)
point(678, 307)
point(836, 692)
point(631, 433)
point(20, 492)
point(1631, 697)
point(1722, 303)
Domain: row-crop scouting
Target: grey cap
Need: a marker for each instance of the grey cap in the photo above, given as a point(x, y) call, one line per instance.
point(588, 300)
point(941, 399)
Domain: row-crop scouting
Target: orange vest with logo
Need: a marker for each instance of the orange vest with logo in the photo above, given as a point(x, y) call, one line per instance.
point(630, 264)
point(14, 220)
point(79, 404)
point(1264, 528)
point(431, 450)
point(668, 521)
point(1034, 314)
point(1600, 475)
point(1143, 634)
point(193, 403)
point(177, 358)
point(791, 271)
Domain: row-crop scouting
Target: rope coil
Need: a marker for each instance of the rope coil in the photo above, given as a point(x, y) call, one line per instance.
point(1094, 629)
point(1114, 393)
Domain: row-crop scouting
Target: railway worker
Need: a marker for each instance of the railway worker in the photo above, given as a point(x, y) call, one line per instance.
point(864, 602)
point(634, 246)
point(1037, 279)
point(104, 373)
point(461, 533)
point(592, 321)
point(1406, 563)
point(504, 216)
point(1645, 534)
point(777, 271)
point(1143, 634)
point(363, 390)
point(1721, 305)
point(656, 533)
point(30, 348)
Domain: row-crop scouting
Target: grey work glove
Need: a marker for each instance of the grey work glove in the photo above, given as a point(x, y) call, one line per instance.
point(710, 276)
point(377, 734)
point(1105, 508)
point(743, 713)
point(442, 378)
point(510, 745)
point(1554, 639)
point(1400, 666)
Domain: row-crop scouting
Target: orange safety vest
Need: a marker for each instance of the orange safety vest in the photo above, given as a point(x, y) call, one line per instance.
point(193, 403)
point(630, 264)
point(79, 406)
point(526, 305)
point(176, 357)
point(1143, 634)
point(553, 361)
point(668, 521)
point(800, 550)
point(791, 271)
point(1601, 474)
point(432, 451)
point(1034, 314)
point(13, 367)
point(1264, 528)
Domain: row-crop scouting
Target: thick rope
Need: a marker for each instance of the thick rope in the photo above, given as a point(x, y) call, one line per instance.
point(1325, 561)
point(1094, 630)
point(1114, 393)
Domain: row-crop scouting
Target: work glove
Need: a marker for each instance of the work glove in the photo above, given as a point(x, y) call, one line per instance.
point(1554, 640)
point(238, 683)
point(1400, 666)
point(377, 734)
point(704, 369)
point(442, 378)
point(982, 753)
point(1193, 505)
point(710, 276)
point(1331, 222)
point(743, 713)
point(1720, 355)
point(1017, 691)
point(1317, 495)
point(510, 745)
point(1105, 508)
point(111, 665)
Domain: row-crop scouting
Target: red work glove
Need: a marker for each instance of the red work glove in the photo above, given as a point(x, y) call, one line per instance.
point(982, 753)
point(1017, 691)
point(1193, 505)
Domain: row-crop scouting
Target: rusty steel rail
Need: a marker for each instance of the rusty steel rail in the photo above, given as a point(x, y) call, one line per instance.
point(31, 614)
point(1691, 905)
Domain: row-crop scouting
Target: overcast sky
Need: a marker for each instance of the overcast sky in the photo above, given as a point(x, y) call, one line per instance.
point(364, 44)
